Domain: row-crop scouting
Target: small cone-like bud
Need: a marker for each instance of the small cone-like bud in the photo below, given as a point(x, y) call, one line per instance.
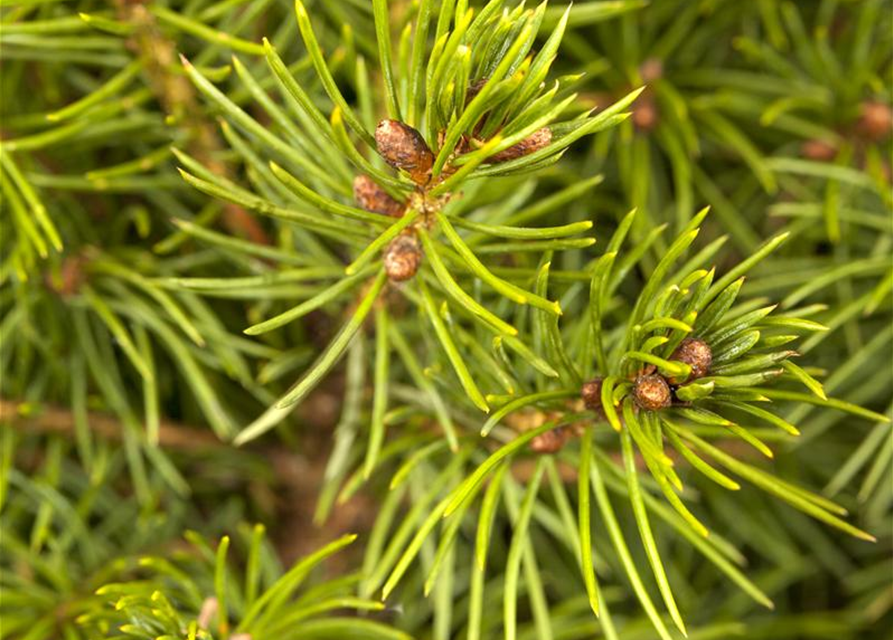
point(652, 392)
point(591, 392)
point(645, 114)
point(695, 353)
point(534, 142)
point(651, 70)
point(818, 150)
point(70, 277)
point(875, 120)
point(371, 197)
point(404, 148)
point(550, 441)
point(402, 258)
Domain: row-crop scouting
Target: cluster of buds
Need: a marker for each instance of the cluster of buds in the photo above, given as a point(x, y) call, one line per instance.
point(405, 149)
point(652, 391)
point(403, 256)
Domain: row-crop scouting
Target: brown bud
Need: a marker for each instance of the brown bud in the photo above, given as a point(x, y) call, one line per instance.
point(402, 257)
point(70, 277)
point(534, 142)
point(695, 353)
point(818, 150)
point(652, 69)
point(372, 197)
point(652, 392)
point(550, 441)
point(875, 120)
point(404, 148)
point(645, 113)
point(591, 392)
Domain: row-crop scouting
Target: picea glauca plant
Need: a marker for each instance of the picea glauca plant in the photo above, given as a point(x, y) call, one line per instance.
point(396, 204)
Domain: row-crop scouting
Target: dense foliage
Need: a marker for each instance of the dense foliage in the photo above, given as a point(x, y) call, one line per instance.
point(446, 319)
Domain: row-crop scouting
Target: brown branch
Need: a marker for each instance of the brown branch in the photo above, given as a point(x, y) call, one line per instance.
point(178, 98)
point(299, 477)
point(48, 419)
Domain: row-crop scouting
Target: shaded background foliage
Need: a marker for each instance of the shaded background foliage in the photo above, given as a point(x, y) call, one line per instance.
point(123, 382)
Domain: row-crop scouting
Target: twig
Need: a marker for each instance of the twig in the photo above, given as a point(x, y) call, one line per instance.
point(43, 418)
point(177, 96)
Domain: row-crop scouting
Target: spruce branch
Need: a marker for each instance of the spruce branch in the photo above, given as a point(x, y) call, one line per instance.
point(425, 194)
point(430, 172)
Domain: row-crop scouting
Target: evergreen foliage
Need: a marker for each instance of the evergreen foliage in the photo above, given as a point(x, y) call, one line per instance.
point(552, 321)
